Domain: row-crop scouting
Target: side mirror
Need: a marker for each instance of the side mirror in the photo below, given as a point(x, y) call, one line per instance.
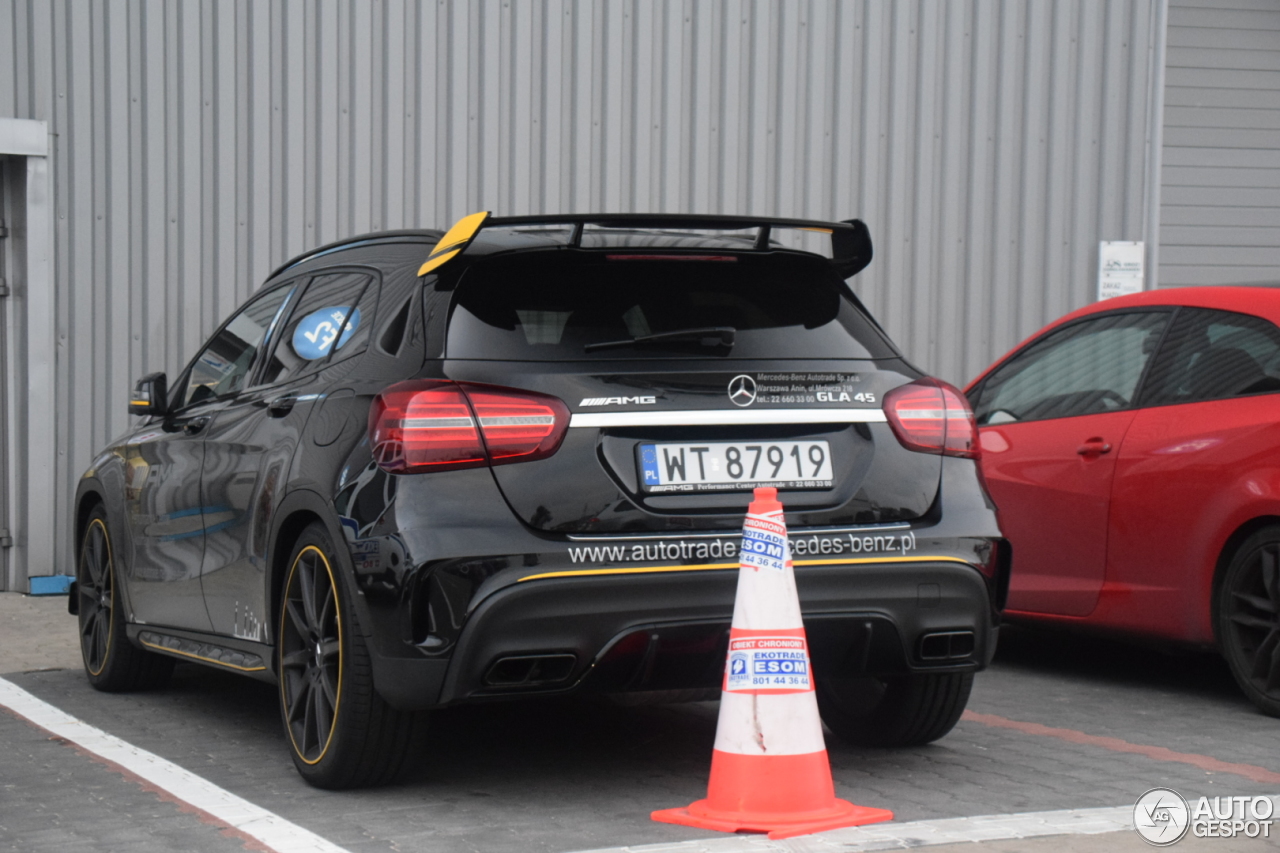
point(150, 395)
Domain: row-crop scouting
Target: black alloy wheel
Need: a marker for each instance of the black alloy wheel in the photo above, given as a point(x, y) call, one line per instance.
point(342, 734)
point(111, 662)
point(1249, 618)
point(311, 655)
point(96, 585)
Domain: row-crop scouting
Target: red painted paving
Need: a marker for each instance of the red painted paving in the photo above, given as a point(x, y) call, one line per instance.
point(1115, 744)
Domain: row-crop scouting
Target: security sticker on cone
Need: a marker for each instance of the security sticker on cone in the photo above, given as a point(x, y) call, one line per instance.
point(764, 544)
point(768, 665)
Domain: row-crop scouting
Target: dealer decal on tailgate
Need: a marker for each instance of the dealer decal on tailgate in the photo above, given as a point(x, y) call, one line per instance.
point(726, 548)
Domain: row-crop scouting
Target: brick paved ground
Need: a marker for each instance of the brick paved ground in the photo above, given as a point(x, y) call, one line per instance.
point(53, 799)
point(579, 775)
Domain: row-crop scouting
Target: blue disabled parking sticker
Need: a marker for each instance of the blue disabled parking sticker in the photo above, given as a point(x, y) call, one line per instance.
point(314, 336)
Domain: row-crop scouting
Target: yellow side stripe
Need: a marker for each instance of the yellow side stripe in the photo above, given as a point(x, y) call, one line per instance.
point(203, 658)
point(711, 567)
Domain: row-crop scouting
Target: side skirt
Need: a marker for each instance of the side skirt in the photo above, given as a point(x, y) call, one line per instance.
point(243, 656)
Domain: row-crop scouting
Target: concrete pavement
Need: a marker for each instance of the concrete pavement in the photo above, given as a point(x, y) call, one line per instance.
point(36, 632)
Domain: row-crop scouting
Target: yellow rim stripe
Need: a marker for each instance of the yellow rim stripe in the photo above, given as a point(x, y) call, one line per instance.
point(170, 651)
point(337, 615)
point(712, 567)
point(111, 621)
point(454, 241)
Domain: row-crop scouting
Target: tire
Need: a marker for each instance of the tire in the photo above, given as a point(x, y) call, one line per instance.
point(1248, 618)
point(902, 711)
point(341, 733)
point(111, 662)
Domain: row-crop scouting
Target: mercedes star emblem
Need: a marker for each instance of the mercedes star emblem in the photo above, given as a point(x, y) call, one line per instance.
point(742, 390)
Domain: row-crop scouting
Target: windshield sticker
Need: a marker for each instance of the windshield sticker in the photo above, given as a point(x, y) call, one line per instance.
point(314, 336)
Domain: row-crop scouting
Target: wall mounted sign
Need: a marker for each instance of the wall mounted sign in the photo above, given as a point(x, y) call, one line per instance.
point(1120, 268)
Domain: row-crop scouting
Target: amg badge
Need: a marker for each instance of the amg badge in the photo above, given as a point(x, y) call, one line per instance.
point(617, 401)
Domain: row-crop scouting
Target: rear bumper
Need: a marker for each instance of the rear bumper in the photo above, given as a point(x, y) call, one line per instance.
point(665, 631)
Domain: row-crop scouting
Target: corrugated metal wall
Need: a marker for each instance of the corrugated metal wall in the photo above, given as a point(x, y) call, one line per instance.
point(989, 145)
point(7, 220)
point(1220, 204)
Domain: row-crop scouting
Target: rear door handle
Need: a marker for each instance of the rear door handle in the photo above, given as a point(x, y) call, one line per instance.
point(1093, 447)
point(194, 425)
point(281, 406)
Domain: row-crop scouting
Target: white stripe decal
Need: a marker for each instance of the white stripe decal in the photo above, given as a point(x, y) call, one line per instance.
point(241, 815)
point(727, 417)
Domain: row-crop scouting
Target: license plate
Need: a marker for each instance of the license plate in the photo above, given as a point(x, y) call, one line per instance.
point(717, 466)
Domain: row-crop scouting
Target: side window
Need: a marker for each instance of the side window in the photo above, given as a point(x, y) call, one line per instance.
point(1085, 368)
point(1211, 355)
point(223, 365)
point(334, 315)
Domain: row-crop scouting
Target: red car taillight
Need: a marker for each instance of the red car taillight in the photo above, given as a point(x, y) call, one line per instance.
point(930, 416)
point(438, 425)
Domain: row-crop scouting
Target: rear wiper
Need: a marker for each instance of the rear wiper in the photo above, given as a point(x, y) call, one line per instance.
point(706, 336)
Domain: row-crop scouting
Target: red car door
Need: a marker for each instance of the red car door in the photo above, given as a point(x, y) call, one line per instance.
point(1051, 419)
point(1198, 461)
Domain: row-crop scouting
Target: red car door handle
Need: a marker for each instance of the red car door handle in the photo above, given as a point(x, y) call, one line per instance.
point(1093, 447)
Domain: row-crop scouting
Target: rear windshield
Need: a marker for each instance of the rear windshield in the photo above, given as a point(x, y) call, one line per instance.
point(539, 310)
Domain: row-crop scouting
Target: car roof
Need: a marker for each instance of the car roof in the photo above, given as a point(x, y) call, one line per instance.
point(1260, 298)
point(428, 237)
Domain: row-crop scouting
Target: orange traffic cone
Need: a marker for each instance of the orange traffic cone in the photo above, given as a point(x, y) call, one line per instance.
point(769, 769)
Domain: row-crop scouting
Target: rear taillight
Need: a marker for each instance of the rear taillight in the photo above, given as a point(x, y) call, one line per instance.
point(930, 416)
point(437, 425)
point(518, 426)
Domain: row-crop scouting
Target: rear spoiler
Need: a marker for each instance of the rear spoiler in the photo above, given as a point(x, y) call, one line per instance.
point(850, 240)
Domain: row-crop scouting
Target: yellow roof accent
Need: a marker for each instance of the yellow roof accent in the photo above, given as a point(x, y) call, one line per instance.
point(454, 241)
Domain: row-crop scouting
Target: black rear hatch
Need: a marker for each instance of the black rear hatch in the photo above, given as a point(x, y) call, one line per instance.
point(690, 378)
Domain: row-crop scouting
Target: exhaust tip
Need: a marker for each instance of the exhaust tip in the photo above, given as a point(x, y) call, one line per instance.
point(530, 670)
point(946, 646)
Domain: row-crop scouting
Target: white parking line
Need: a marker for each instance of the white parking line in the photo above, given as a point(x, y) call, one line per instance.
point(920, 833)
point(239, 815)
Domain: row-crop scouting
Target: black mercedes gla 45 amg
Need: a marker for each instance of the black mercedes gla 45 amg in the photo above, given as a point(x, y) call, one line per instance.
point(418, 469)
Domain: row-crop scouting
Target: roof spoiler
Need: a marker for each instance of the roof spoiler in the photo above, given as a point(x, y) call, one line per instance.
point(850, 240)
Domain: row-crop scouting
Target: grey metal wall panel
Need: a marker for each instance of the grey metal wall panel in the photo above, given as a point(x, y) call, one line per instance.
point(7, 220)
point(1220, 203)
point(989, 145)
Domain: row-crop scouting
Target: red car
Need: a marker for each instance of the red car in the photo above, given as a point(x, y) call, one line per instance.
point(1133, 451)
